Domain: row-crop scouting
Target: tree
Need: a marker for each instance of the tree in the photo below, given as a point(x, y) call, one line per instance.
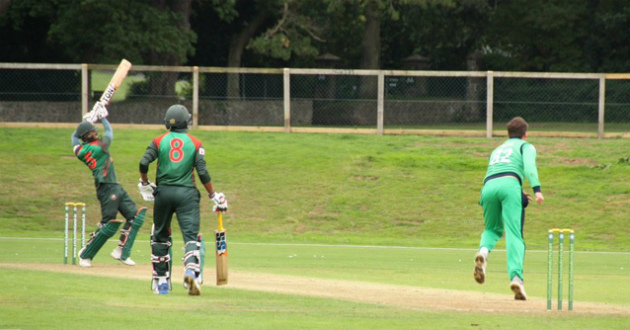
point(298, 25)
point(446, 32)
point(155, 32)
point(251, 20)
point(4, 6)
point(24, 27)
point(540, 35)
point(608, 44)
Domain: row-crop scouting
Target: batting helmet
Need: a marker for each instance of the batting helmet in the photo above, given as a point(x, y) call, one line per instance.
point(84, 128)
point(177, 116)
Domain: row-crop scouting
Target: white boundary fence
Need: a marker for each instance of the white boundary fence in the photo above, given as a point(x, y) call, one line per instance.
point(380, 98)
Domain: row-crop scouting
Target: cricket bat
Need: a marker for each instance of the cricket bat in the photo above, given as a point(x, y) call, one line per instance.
point(117, 79)
point(221, 245)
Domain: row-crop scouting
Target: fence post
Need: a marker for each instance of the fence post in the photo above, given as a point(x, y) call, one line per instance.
point(601, 107)
point(195, 97)
point(380, 104)
point(287, 99)
point(85, 89)
point(489, 103)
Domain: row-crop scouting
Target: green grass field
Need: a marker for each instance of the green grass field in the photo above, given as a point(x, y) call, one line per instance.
point(385, 210)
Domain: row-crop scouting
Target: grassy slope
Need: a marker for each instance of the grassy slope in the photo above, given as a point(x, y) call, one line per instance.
point(347, 189)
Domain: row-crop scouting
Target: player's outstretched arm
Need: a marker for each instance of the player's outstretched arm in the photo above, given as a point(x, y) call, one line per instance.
point(109, 131)
point(75, 140)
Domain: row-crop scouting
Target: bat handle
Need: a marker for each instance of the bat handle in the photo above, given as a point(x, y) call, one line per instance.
point(220, 219)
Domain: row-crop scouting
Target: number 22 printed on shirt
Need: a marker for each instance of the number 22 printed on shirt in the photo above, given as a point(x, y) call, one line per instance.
point(501, 156)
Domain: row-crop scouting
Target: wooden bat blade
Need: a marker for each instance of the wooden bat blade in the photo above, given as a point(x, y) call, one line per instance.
point(222, 261)
point(221, 249)
point(117, 79)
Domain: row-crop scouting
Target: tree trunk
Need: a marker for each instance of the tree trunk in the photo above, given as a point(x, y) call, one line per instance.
point(474, 88)
point(164, 82)
point(371, 42)
point(371, 47)
point(4, 6)
point(237, 46)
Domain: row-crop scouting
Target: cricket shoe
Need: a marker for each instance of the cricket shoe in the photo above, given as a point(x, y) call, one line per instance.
point(190, 282)
point(84, 262)
point(518, 288)
point(117, 253)
point(162, 289)
point(480, 268)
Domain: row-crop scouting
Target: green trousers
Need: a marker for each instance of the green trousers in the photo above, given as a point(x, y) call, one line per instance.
point(183, 202)
point(114, 199)
point(502, 203)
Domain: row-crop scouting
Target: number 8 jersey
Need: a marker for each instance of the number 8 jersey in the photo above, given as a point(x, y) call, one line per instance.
point(515, 156)
point(178, 154)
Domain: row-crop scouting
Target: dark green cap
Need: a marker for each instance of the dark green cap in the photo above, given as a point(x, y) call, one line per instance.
point(177, 116)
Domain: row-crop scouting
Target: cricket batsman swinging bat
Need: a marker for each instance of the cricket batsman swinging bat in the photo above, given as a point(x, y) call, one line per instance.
point(117, 79)
point(221, 246)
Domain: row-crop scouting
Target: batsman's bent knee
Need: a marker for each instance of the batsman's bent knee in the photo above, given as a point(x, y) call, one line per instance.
point(136, 223)
point(99, 238)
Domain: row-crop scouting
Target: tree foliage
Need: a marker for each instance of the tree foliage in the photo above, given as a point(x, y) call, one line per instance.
point(292, 34)
point(540, 35)
point(95, 30)
point(444, 31)
point(608, 46)
point(514, 35)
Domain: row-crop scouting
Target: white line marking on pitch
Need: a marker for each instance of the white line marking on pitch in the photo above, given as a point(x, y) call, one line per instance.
point(331, 246)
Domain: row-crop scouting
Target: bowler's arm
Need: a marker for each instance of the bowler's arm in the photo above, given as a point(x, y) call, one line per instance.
point(531, 171)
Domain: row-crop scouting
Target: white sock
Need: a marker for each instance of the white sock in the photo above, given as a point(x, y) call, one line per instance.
point(162, 280)
point(484, 250)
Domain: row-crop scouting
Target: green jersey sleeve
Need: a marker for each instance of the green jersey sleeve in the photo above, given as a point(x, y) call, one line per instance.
point(150, 155)
point(529, 166)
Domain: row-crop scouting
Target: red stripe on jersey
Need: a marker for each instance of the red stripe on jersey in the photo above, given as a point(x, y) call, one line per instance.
point(195, 141)
point(197, 144)
point(158, 140)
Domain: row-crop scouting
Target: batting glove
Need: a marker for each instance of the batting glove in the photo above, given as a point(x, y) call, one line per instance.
point(99, 111)
point(146, 190)
point(91, 116)
point(220, 203)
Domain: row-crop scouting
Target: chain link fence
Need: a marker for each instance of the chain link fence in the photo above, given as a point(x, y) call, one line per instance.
point(323, 100)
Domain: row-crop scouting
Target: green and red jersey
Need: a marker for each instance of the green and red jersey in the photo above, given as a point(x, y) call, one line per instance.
point(96, 157)
point(178, 155)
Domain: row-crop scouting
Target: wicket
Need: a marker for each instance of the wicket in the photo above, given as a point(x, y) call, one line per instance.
point(66, 237)
point(561, 233)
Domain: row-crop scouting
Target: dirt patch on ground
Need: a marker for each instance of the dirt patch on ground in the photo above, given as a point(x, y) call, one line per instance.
point(414, 298)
